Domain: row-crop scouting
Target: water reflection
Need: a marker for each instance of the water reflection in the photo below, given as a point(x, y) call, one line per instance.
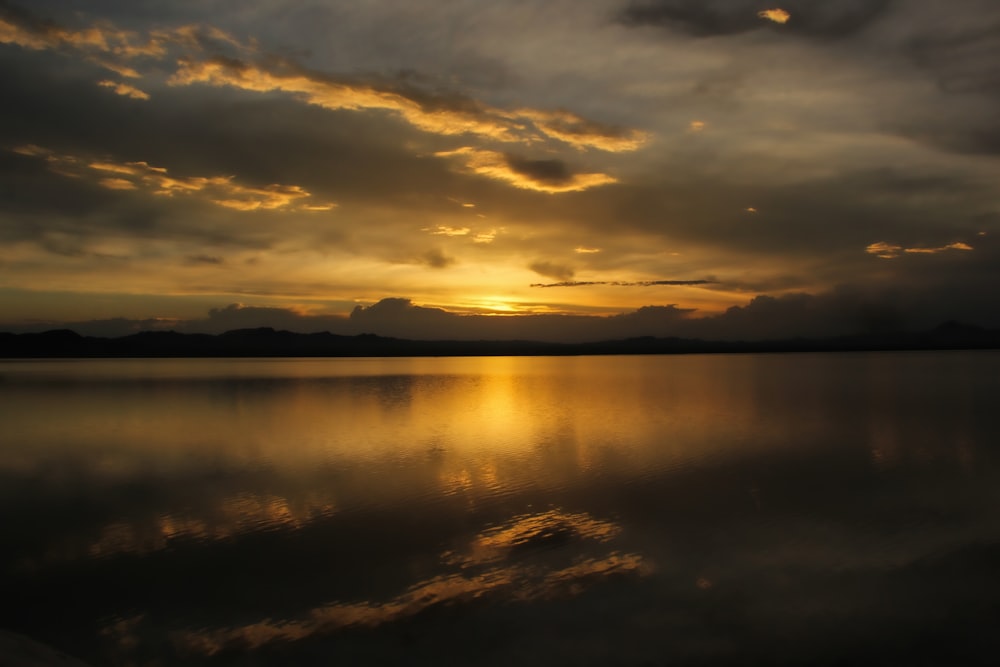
point(241, 513)
point(579, 510)
point(217, 448)
point(529, 558)
point(529, 532)
point(922, 414)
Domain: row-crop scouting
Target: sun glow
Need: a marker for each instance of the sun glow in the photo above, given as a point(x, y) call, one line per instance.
point(494, 305)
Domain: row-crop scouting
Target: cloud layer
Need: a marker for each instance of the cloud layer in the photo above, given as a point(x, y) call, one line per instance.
point(704, 154)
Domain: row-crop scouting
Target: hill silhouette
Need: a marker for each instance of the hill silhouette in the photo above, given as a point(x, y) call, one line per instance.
point(268, 342)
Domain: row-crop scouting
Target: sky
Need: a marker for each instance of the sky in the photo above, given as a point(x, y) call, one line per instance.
point(552, 170)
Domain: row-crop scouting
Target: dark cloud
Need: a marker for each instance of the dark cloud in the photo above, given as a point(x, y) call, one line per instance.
point(842, 311)
point(621, 283)
point(436, 259)
point(709, 18)
point(29, 22)
point(827, 220)
point(205, 259)
point(27, 195)
point(552, 270)
point(965, 60)
point(401, 318)
point(547, 172)
point(393, 316)
point(240, 316)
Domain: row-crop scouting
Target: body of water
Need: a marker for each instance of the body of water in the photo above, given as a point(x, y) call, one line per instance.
point(662, 510)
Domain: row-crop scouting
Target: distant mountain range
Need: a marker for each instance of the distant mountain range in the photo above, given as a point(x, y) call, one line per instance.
point(267, 342)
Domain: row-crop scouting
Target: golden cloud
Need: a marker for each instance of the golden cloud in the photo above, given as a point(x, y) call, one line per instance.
point(31, 150)
point(106, 38)
point(447, 115)
point(195, 37)
point(50, 36)
point(883, 250)
point(124, 89)
point(486, 237)
point(268, 198)
point(130, 168)
point(103, 39)
point(110, 47)
point(444, 230)
point(889, 251)
point(219, 190)
point(334, 95)
point(118, 68)
point(117, 184)
point(13, 34)
point(539, 175)
point(582, 133)
point(930, 251)
point(444, 116)
point(777, 15)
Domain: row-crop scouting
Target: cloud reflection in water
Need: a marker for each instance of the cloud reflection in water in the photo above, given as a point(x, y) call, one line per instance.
point(527, 559)
point(234, 515)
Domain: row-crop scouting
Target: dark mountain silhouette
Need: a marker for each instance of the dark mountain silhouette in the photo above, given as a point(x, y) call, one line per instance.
point(267, 342)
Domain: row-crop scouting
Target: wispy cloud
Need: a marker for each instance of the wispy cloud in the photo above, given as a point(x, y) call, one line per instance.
point(106, 45)
point(487, 236)
point(437, 114)
point(891, 251)
point(582, 133)
point(930, 251)
point(223, 191)
point(622, 283)
point(552, 270)
point(444, 230)
point(335, 95)
point(117, 184)
point(436, 259)
point(124, 89)
point(550, 176)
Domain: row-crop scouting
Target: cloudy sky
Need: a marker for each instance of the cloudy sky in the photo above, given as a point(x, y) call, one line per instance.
point(557, 169)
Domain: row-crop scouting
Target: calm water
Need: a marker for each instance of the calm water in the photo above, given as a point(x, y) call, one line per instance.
point(687, 510)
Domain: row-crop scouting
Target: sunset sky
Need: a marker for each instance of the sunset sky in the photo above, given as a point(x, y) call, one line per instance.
point(558, 169)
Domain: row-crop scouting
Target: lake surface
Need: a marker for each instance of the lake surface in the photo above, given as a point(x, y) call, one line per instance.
point(664, 510)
